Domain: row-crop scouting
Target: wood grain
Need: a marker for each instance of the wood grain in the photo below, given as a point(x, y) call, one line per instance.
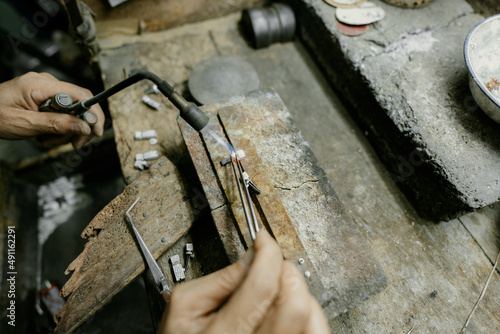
point(111, 258)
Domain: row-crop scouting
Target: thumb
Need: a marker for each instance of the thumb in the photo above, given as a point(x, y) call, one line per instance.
point(207, 293)
point(59, 124)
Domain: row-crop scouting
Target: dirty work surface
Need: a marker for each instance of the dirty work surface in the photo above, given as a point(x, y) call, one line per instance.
point(407, 79)
point(297, 204)
point(111, 260)
point(419, 257)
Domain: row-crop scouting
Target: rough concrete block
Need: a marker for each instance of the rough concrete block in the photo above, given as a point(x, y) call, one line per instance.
point(407, 82)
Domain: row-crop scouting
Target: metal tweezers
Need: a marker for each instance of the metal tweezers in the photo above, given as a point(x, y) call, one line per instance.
point(244, 183)
point(158, 276)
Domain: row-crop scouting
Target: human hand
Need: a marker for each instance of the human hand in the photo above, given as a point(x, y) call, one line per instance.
point(20, 118)
point(259, 294)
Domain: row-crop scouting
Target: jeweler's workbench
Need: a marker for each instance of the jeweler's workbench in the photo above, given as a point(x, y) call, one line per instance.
point(297, 204)
point(425, 264)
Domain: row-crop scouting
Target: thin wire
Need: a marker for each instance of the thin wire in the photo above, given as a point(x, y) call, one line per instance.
point(482, 294)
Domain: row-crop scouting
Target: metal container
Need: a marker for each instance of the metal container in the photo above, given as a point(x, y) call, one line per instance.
point(265, 26)
point(482, 56)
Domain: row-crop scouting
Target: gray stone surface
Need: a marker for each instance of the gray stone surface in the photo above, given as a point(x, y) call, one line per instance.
point(407, 81)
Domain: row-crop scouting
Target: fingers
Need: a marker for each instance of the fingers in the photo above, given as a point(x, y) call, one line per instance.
point(247, 307)
point(292, 309)
point(207, 293)
point(55, 123)
point(44, 86)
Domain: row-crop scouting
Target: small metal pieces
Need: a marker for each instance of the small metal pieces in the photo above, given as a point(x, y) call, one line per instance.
point(153, 141)
point(149, 155)
point(141, 159)
point(177, 268)
point(307, 274)
point(241, 156)
point(301, 260)
point(158, 276)
point(189, 255)
point(152, 90)
point(148, 134)
point(141, 164)
point(151, 103)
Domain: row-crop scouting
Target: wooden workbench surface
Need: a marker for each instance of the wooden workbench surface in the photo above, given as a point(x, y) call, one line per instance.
point(436, 271)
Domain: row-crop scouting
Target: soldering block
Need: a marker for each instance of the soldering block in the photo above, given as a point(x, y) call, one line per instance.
point(406, 81)
point(297, 203)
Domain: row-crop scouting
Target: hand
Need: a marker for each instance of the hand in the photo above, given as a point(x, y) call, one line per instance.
point(20, 118)
point(259, 294)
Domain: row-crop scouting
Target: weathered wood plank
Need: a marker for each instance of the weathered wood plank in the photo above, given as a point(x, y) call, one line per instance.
point(111, 258)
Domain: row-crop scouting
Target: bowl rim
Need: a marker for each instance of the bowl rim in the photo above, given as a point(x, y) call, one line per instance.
point(478, 82)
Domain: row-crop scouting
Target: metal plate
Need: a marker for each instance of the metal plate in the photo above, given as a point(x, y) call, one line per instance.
point(220, 78)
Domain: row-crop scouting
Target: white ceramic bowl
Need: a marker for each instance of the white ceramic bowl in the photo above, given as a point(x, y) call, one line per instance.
point(482, 56)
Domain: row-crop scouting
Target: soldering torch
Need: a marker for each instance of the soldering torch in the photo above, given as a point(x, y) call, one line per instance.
point(188, 110)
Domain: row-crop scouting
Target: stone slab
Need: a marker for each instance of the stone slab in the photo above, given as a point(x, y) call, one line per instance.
point(407, 82)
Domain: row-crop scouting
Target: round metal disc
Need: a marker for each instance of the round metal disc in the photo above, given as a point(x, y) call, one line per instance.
point(217, 79)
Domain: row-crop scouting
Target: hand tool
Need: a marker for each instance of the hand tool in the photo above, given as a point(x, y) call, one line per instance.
point(244, 183)
point(61, 103)
point(158, 276)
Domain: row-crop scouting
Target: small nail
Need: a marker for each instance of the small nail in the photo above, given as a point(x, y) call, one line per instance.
point(247, 259)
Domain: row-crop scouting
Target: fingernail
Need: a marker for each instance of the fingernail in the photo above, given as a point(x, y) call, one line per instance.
point(247, 259)
point(81, 128)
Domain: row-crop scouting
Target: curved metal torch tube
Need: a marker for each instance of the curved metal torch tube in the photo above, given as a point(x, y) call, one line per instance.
point(163, 86)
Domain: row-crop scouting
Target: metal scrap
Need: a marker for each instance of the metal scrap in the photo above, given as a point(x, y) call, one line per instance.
point(151, 103)
point(177, 268)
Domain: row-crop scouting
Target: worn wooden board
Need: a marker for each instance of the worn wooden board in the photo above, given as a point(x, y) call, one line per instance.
point(297, 205)
point(168, 13)
point(111, 258)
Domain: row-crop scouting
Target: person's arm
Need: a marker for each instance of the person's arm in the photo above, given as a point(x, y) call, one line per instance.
point(259, 294)
point(20, 118)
